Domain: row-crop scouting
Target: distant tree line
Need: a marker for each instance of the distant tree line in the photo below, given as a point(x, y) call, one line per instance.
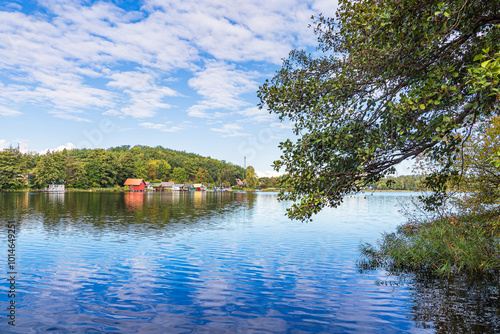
point(92, 168)
point(274, 182)
point(404, 182)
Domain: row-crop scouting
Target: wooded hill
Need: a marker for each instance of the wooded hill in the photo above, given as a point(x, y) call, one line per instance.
point(91, 168)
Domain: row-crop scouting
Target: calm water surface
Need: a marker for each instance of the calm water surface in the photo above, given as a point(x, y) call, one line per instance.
point(219, 263)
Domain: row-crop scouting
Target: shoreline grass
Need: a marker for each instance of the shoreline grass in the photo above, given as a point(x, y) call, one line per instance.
point(451, 245)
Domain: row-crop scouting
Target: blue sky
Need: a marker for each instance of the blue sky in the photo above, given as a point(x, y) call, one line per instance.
point(180, 74)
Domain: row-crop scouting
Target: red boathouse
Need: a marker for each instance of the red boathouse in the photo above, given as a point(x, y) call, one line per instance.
point(136, 184)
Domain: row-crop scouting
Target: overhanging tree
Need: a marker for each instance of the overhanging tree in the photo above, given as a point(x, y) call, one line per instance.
point(395, 79)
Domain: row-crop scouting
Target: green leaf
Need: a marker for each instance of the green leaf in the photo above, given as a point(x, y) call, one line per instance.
point(328, 96)
point(479, 57)
point(485, 64)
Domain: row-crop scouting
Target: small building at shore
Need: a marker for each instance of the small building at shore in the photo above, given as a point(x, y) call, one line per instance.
point(136, 184)
point(179, 187)
point(55, 188)
point(199, 187)
point(167, 185)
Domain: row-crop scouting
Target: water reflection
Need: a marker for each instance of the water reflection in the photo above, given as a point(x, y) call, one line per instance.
point(93, 212)
point(134, 200)
point(221, 262)
point(456, 305)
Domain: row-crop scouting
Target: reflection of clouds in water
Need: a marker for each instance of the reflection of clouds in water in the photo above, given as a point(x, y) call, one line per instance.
point(232, 263)
point(232, 296)
point(91, 283)
point(52, 285)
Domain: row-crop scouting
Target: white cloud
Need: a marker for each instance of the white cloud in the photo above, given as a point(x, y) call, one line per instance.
point(406, 167)
point(132, 80)
point(68, 146)
point(145, 96)
point(162, 127)
point(221, 86)
point(70, 117)
point(4, 144)
point(12, 6)
point(54, 58)
point(112, 112)
point(268, 173)
point(95, 57)
point(22, 144)
point(4, 111)
point(242, 30)
point(199, 111)
point(145, 104)
point(281, 125)
point(255, 114)
point(327, 7)
point(230, 130)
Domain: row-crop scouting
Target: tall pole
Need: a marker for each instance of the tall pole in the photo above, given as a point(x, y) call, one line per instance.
point(245, 163)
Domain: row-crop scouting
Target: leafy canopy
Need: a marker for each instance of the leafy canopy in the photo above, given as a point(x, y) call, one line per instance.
point(394, 79)
point(480, 175)
point(202, 176)
point(179, 175)
point(251, 177)
point(12, 169)
point(50, 169)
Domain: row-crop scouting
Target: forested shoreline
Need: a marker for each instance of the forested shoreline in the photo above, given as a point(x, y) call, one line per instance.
point(104, 169)
point(99, 168)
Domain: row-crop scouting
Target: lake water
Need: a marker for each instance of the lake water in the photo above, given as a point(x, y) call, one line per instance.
point(218, 263)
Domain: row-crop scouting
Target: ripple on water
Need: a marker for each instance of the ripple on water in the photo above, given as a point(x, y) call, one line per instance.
point(174, 263)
